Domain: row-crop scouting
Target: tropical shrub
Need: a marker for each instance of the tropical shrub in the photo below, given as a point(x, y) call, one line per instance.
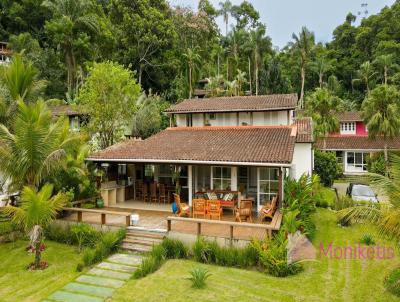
point(392, 282)
point(205, 251)
point(72, 234)
point(174, 249)
point(325, 165)
point(198, 277)
point(273, 257)
point(85, 235)
point(148, 266)
point(343, 202)
point(376, 164)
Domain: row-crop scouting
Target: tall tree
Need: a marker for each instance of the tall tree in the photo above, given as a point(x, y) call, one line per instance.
point(302, 45)
point(385, 64)
point(225, 10)
point(72, 25)
point(34, 147)
point(366, 74)
point(37, 211)
point(109, 96)
point(323, 107)
point(321, 66)
point(381, 114)
point(192, 59)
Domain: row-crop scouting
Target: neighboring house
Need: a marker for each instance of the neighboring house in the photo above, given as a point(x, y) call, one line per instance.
point(5, 53)
point(247, 144)
point(352, 144)
point(75, 117)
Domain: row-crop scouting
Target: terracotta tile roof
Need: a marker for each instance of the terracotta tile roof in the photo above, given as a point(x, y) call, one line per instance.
point(350, 116)
point(67, 110)
point(304, 130)
point(209, 144)
point(237, 103)
point(353, 142)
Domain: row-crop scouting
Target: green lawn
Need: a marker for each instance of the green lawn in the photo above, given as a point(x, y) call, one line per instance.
point(325, 280)
point(329, 195)
point(19, 284)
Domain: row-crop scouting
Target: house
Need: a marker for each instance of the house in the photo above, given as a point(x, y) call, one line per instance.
point(75, 117)
point(5, 53)
point(245, 143)
point(352, 145)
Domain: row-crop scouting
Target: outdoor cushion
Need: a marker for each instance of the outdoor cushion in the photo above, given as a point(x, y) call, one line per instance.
point(212, 196)
point(228, 197)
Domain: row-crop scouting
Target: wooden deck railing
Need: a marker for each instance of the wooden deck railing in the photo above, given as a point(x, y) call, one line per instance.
point(103, 214)
point(269, 228)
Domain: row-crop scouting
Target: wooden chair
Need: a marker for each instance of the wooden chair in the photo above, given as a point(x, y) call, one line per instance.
point(162, 195)
point(183, 208)
point(139, 190)
point(244, 211)
point(145, 193)
point(153, 192)
point(214, 209)
point(269, 209)
point(199, 207)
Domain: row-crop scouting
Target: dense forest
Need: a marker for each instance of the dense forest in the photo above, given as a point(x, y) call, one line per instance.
point(169, 49)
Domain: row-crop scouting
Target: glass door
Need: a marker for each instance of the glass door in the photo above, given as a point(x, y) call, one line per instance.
point(268, 185)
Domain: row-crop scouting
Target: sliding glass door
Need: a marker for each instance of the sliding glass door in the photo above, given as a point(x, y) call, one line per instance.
point(268, 185)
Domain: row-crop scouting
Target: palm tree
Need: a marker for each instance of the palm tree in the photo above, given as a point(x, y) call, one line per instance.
point(385, 63)
point(34, 147)
point(385, 215)
point(323, 107)
point(256, 40)
point(20, 79)
point(37, 211)
point(321, 66)
point(303, 44)
point(192, 58)
point(225, 10)
point(241, 79)
point(366, 74)
point(213, 86)
point(231, 87)
point(70, 17)
point(381, 113)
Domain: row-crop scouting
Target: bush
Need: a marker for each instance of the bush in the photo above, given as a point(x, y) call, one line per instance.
point(392, 282)
point(325, 165)
point(85, 235)
point(108, 244)
point(274, 258)
point(205, 251)
point(325, 197)
point(148, 266)
point(198, 277)
point(343, 202)
point(174, 249)
point(376, 164)
point(367, 239)
point(59, 233)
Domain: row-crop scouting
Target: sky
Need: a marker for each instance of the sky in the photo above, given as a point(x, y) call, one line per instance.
point(284, 17)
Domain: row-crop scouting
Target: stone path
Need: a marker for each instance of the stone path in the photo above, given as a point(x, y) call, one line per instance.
point(100, 282)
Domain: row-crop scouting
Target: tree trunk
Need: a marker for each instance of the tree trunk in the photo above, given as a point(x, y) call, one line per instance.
point(386, 75)
point(140, 74)
point(303, 76)
point(385, 151)
point(37, 254)
point(251, 88)
point(256, 71)
point(190, 82)
point(227, 68)
point(218, 65)
point(320, 80)
point(226, 26)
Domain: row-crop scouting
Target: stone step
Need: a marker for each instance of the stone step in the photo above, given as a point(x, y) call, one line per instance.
point(136, 247)
point(90, 290)
point(140, 241)
point(63, 296)
point(146, 234)
point(109, 274)
point(116, 267)
point(100, 281)
point(126, 259)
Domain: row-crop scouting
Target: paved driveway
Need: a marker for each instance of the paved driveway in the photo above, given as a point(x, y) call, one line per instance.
point(341, 188)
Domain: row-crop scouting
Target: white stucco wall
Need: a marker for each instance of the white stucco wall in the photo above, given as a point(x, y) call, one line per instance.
point(271, 118)
point(180, 120)
point(302, 160)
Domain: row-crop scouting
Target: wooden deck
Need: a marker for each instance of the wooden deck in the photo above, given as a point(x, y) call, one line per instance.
point(150, 219)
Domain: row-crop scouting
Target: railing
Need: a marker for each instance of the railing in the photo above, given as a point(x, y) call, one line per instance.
point(269, 228)
point(103, 214)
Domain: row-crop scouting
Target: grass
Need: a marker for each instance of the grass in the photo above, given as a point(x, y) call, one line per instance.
point(324, 280)
point(329, 195)
point(19, 284)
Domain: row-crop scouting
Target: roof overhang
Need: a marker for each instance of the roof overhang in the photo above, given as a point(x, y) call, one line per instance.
point(232, 110)
point(190, 162)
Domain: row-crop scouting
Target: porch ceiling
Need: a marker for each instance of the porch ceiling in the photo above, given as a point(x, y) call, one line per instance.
point(208, 145)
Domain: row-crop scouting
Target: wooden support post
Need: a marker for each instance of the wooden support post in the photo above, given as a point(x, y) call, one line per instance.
point(198, 228)
point(269, 232)
point(128, 221)
point(79, 216)
point(169, 225)
point(103, 218)
point(231, 234)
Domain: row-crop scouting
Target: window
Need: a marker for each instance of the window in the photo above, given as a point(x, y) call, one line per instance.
point(269, 184)
point(213, 116)
point(221, 178)
point(348, 128)
point(149, 170)
point(189, 120)
point(357, 161)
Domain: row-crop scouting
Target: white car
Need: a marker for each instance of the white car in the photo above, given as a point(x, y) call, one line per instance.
point(360, 192)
